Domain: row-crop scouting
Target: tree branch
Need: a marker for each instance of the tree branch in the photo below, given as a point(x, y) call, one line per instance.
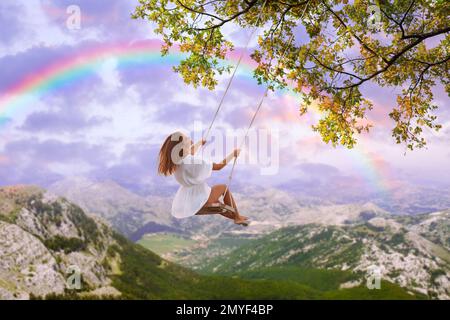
point(234, 16)
point(199, 12)
point(342, 22)
point(428, 34)
point(392, 60)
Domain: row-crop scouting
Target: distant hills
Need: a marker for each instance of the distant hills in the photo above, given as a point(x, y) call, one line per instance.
point(43, 237)
point(410, 251)
point(132, 214)
point(286, 232)
point(124, 210)
point(402, 199)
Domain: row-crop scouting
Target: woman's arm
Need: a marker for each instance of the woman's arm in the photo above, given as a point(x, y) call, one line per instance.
point(221, 165)
point(195, 147)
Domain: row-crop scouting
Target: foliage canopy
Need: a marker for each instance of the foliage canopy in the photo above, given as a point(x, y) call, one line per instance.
point(338, 46)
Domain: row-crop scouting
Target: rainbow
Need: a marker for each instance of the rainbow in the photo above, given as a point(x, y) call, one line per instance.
point(81, 65)
point(73, 68)
point(376, 173)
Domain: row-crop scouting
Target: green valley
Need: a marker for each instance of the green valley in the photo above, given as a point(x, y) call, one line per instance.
point(162, 243)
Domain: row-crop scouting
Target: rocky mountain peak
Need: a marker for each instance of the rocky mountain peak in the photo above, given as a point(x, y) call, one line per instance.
point(43, 236)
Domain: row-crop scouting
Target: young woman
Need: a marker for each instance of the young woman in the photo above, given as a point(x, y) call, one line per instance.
point(177, 157)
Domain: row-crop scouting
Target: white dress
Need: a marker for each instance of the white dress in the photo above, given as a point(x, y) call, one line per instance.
point(194, 191)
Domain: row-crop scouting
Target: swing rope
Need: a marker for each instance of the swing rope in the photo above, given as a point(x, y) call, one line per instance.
point(230, 177)
point(204, 137)
point(234, 71)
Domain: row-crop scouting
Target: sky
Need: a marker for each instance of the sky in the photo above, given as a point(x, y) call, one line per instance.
point(110, 123)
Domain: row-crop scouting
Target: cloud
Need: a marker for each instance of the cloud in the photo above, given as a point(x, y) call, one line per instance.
point(31, 27)
point(112, 21)
point(65, 121)
point(326, 182)
point(10, 23)
point(135, 167)
point(170, 112)
point(110, 124)
point(109, 74)
point(42, 23)
point(53, 151)
point(318, 169)
point(3, 160)
point(43, 162)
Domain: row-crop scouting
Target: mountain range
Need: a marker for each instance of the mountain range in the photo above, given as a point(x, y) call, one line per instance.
point(121, 208)
point(43, 238)
point(134, 215)
point(410, 251)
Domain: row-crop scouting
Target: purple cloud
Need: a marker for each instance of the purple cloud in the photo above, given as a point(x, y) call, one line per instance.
point(29, 63)
point(11, 25)
point(136, 170)
point(170, 112)
point(34, 161)
point(54, 151)
point(318, 169)
point(60, 122)
point(111, 20)
point(152, 93)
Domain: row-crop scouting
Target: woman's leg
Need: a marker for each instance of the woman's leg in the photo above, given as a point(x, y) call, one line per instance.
point(229, 200)
point(221, 190)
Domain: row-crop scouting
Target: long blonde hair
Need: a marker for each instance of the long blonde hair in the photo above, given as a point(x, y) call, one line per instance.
point(166, 165)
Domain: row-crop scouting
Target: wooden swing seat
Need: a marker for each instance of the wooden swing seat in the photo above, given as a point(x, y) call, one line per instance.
point(216, 208)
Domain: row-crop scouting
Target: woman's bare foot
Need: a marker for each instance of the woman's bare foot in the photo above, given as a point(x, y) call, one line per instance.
point(238, 216)
point(241, 221)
